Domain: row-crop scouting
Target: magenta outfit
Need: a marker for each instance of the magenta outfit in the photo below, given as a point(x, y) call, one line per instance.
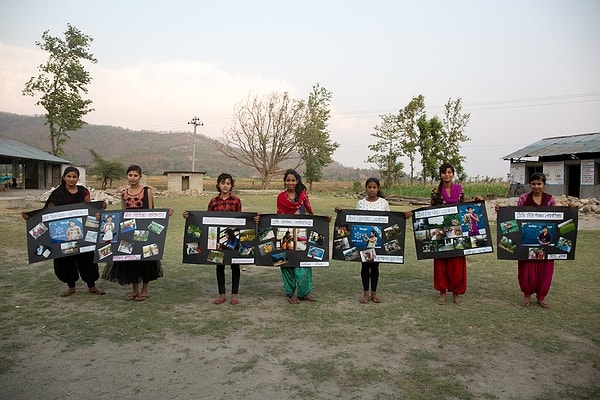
point(535, 277)
point(449, 274)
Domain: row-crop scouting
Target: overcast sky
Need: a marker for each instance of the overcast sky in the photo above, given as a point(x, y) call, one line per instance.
point(525, 69)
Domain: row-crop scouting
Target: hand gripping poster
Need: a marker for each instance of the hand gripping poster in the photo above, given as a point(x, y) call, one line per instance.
point(452, 230)
point(214, 237)
point(62, 231)
point(369, 236)
point(295, 240)
point(132, 235)
point(537, 233)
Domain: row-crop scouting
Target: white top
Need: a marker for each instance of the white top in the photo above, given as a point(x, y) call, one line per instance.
point(380, 205)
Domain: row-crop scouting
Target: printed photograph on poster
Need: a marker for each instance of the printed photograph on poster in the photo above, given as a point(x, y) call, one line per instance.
point(212, 237)
point(108, 224)
point(65, 230)
point(131, 235)
point(61, 231)
point(537, 233)
point(452, 230)
point(369, 236)
point(296, 240)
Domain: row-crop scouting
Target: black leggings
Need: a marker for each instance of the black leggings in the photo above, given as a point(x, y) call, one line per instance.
point(369, 270)
point(69, 269)
point(235, 278)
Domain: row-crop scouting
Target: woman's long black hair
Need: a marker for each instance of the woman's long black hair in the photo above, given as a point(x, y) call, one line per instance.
point(299, 186)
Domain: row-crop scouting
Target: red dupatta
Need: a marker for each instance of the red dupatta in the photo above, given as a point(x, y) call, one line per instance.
point(285, 205)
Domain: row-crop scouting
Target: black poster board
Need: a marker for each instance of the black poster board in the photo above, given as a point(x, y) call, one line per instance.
point(132, 235)
point(62, 231)
point(214, 237)
point(537, 233)
point(452, 230)
point(292, 239)
point(369, 236)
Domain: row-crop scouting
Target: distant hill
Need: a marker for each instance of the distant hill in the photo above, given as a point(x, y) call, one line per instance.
point(156, 152)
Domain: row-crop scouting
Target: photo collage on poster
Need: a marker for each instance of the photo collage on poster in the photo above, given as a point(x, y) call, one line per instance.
point(213, 237)
point(537, 233)
point(369, 236)
point(131, 235)
point(62, 231)
point(297, 240)
point(452, 230)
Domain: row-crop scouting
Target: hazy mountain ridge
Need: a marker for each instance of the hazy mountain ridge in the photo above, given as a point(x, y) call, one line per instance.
point(156, 152)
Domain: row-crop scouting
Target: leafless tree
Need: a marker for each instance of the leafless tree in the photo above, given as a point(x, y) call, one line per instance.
point(265, 133)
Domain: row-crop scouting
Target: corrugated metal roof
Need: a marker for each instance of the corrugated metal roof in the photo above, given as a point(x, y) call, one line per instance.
point(554, 146)
point(14, 149)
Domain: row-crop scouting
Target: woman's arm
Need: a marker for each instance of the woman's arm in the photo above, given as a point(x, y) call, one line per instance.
point(150, 199)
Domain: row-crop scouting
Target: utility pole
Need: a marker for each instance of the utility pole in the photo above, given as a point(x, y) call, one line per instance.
point(196, 122)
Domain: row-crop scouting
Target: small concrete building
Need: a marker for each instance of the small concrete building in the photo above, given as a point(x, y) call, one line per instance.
point(180, 181)
point(33, 168)
point(571, 165)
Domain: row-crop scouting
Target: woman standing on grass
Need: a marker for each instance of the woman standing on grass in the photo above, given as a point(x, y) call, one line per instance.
point(535, 276)
point(134, 272)
point(226, 201)
point(449, 274)
point(297, 281)
point(68, 269)
point(369, 272)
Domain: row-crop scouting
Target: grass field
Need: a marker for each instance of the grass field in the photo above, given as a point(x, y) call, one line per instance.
point(497, 189)
point(406, 347)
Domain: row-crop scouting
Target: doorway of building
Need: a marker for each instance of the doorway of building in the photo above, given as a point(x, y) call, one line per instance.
point(573, 180)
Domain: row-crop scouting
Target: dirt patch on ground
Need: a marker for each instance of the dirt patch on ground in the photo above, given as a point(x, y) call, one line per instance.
point(207, 368)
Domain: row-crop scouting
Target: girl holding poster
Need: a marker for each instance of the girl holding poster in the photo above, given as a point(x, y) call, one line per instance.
point(68, 269)
point(226, 201)
point(449, 274)
point(297, 281)
point(134, 272)
point(369, 272)
point(535, 276)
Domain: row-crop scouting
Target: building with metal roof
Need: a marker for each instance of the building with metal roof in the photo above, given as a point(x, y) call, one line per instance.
point(33, 168)
point(571, 164)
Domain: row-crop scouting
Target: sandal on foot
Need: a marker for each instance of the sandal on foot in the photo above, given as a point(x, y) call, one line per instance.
point(141, 297)
point(130, 297)
point(220, 300)
point(441, 300)
point(543, 304)
point(234, 301)
point(293, 299)
point(364, 299)
point(524, 302)
point(95, 290)
point(375, 299)
point(68, 292)
point(457, 298)
point(308, 297)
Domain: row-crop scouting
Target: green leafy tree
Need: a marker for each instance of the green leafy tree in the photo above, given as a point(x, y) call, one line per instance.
point(431, 146)
point(387, 150)
point(265, 133)
point(106, 170)
point(60, 83)
point(408, 119)
point(454, 125)
point(314, 144)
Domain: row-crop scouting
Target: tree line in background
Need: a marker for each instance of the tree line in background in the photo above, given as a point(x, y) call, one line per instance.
point(268, 131)
point(412, 134)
